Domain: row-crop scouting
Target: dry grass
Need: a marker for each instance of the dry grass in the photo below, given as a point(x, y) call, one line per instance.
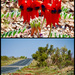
point(8, 62)
point(52, 70)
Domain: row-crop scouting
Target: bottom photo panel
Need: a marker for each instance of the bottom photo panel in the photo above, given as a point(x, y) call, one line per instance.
point(37, 56)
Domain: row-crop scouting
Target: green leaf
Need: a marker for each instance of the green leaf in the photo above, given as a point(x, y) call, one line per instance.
point(63, 36)
point(64, 13)
point(18, 14)
point(73, 17)
point(10, 0)
point(19, 31)
point(69, 36)
point(12, 14)
point(39, 24)
point(7, 15)
point(51, 35)
point(36, 25)
point(6, 34)
point(70, 16)
point(61, 14)
point(3, 34)
point(45, 20)
point(32, 25)
point(10, 32)
point(65, 16)
point(2, 15)
point(14, 0)
point(23, 30)
point(5, 2)
point(55, 35)
point(14, 32)
point(59, 36)
point(66, 10)
point(62, 7)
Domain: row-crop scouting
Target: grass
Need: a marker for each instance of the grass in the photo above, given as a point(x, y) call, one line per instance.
point(34, 70)
point(8, 62)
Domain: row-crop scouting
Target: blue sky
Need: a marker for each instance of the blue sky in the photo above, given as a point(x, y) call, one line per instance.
point(26, 47)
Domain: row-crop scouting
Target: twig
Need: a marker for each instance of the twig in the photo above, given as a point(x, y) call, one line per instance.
point(50, 31)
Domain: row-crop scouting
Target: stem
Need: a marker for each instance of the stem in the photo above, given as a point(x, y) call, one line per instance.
point(38, 33)
point(42, 24)
point(50, 31)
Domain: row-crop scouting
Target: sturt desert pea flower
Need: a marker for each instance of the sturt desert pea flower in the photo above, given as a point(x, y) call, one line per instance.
point(20, 2)
point(44, 7)
point(33, 7)
point(45, 11)
point(22, 5)
point(58, 8)
point(53, 13)
point(36, 6)
point(26, 10)
point(49, 11)
point(29, 9)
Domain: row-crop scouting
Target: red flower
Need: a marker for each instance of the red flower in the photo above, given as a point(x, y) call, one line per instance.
point(58, 8)
point(36, 6)
point(29, 9)
point(51, 13)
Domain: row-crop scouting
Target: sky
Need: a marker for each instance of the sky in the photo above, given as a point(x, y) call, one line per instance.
point(26, 47)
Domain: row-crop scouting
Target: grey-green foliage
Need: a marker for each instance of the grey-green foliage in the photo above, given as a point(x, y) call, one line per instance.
point(41, 55)
point(60, 57)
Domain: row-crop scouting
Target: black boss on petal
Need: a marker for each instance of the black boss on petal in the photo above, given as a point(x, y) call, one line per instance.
point(21, 7)
point(43, 8)
point(53, 11)
point(59, 11)
point(36, 8)
point(29, 9)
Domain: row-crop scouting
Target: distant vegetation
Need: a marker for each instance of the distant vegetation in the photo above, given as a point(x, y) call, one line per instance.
point(5, 60)
point(53, 56)
point(12, 58)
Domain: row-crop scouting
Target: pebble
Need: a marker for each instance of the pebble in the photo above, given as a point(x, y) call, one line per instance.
point(14, 26)
point(7, 6)
point(44, 31)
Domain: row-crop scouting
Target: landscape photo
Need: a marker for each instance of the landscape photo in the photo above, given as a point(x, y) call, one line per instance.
point(37, 56)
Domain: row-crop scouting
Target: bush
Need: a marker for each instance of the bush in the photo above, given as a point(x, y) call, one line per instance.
point(68, 62)
point(42, 64)
point(4, 58)
point(23, 57)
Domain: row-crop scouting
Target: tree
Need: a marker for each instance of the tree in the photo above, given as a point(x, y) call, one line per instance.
point(4, 58)
point(50, 50)
point(69, 54)
point(63, 52)
point(60, 57)
point(41, 55)
point(23, 57)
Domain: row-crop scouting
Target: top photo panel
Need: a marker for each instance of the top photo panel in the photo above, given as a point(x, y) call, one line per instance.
point(37, 18)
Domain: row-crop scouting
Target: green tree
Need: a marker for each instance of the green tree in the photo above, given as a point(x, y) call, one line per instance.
point(64, 52)
point(4, 58)
point(41, 55)
point(50, 50)
point(69, 54)
point(23, 57)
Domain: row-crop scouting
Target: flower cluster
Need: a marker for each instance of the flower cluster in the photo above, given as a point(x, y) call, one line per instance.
point(50, 9)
